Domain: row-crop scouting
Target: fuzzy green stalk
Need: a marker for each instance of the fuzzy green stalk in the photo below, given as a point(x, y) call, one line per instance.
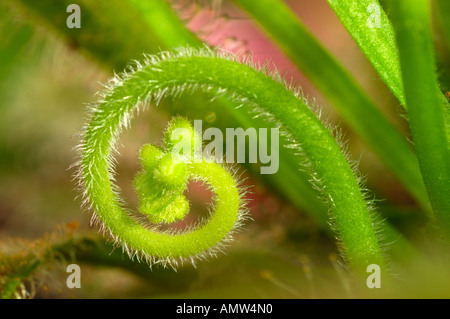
point(204, 70)
point(160, 186)
point(427, 114)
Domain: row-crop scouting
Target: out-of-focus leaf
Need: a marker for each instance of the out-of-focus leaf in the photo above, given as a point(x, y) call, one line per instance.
point(106, 36)
point(338, 86)
point(371, 29)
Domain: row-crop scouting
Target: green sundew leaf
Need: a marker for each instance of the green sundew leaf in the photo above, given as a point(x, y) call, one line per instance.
point(288, 181)
point(108, 30)
point(369, 26)
point(427, 114)
point(208, 71)
point(327, 74)
point(107, 34)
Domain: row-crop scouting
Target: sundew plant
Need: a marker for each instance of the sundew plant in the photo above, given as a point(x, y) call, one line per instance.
point(358, 204)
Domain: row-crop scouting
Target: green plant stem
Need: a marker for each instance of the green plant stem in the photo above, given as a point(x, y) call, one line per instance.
point(120, 21)
point(113, 50)
point(210, 73)
point(325, 72)
point(411, 20)
point(167, 27)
